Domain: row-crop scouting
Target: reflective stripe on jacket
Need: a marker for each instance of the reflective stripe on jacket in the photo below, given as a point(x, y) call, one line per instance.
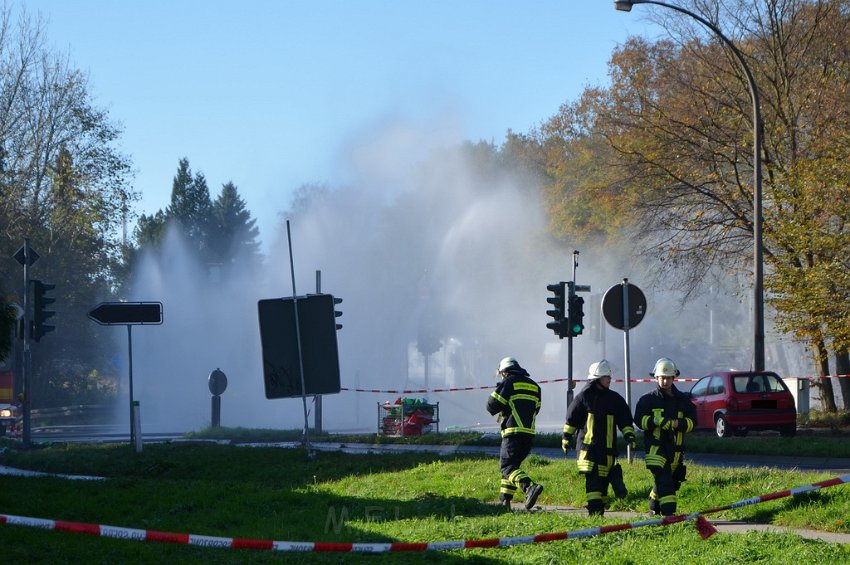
point(597, 412)
point(517, 398)
point(654, 414)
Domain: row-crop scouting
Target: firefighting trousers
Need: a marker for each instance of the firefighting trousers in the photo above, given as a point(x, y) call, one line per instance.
point(515, 448)
point(667, 483)
point(596, 489)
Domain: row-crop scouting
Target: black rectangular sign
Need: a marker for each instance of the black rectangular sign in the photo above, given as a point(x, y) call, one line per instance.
point(114, 313)
point(319, 354)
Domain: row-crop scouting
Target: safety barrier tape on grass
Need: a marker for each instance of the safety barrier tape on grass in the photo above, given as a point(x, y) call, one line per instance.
point(548, 381)
point(704, 528)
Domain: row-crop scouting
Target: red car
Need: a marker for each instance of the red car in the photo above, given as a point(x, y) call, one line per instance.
point(735, 402)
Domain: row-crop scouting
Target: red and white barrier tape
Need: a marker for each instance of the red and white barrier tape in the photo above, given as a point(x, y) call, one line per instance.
point(704, 527)
point(489, 387)
point(483, 387)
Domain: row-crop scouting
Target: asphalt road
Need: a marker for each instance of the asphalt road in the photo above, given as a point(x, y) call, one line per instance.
point(836, 465)
point(111, 434)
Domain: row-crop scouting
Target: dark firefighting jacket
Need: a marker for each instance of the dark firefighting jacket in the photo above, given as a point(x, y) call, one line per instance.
point(517, 399)
point(596, 413)
point(655, 414)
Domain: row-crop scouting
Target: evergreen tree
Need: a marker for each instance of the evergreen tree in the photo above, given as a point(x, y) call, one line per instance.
point(191, 208)
point(151, 229)
point(233, 240)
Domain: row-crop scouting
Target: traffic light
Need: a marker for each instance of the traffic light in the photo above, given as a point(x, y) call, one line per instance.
point(559, 311)
point(337, 313)
point(576, 315)
point(40, 315)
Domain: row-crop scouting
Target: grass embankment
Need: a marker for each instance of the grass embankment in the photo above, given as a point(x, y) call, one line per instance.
point(278, 494)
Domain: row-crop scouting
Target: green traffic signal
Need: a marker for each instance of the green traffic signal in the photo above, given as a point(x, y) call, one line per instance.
point(576, 315)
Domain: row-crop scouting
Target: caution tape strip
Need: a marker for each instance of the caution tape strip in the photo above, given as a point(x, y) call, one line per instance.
point(488, 387)
point(704, 527)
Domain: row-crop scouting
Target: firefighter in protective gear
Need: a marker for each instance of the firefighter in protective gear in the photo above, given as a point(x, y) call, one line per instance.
point(595, 414)
point(516, 401)
point(665, 415)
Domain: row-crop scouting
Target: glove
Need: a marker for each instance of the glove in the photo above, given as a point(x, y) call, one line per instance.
point(568, 442)
point(662, 422)
point(631, 441)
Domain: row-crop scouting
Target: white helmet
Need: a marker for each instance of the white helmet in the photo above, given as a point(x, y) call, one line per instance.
point(599, 370)
point(664, 367)
point(508, 363)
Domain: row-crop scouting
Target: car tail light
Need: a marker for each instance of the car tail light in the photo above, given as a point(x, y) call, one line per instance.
point(785, 401)
point(732, 404)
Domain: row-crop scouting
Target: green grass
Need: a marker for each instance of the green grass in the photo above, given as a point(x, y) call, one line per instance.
point(279, 494)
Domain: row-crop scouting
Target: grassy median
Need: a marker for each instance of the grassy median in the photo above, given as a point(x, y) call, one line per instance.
point(280, 494)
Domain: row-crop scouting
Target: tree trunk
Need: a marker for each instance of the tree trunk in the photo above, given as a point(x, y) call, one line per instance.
point(822, 362)
point(842, 367)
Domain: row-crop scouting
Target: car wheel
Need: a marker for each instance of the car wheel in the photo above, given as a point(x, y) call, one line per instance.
point(721, 427)
point(788, 431)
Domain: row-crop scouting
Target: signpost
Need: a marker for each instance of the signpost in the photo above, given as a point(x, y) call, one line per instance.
point(26, 256)
point(624, 306)
point(217, 382)
point(129, 314)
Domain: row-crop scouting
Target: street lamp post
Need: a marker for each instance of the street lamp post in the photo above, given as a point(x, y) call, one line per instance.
point(758, 265)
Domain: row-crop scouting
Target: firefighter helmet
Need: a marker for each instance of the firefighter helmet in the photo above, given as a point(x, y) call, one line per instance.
point(664, 367)
point(508, 363)
point(599, 370)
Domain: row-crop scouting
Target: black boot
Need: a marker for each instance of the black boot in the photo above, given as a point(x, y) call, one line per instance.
point(531, 494)
point(595, 508)
point(615, 477)
point(654, 506)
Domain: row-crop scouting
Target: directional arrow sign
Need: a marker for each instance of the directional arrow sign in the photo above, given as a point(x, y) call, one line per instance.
point(114, 313)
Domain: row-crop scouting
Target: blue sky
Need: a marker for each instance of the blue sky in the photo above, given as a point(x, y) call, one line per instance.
point(273, 94)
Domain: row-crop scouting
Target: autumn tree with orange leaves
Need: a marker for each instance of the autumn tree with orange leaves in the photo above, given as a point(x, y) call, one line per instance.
point(663, 156)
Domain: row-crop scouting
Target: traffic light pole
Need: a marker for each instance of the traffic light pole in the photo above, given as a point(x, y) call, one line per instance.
point(568, 316)
point(26, 436)
point(317, 416)
point(569, 300)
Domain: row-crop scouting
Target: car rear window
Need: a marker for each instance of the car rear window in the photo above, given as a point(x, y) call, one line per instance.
point(757, 383)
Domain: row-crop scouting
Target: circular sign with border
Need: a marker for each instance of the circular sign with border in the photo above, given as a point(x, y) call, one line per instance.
point(613, 305)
